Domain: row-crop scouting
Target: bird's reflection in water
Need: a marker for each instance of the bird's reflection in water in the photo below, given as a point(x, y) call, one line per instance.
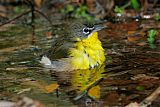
point(82, 86)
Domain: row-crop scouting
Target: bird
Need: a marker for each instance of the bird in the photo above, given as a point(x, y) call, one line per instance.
point(79, 49)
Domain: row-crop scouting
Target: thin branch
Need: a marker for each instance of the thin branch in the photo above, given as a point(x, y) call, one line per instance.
point(15, 18)
point(148, 101)
point(44, 16)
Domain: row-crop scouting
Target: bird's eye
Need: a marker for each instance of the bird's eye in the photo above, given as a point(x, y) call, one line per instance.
point(86, 31)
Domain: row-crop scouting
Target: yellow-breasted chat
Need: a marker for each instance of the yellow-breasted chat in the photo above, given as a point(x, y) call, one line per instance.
point(80, 49)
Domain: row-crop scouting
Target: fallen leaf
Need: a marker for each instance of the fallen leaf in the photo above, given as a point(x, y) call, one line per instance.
point(134, 36)
point(152, 60)
point(22, 102)
point(7, 104)
point(50, 88)
point(144, 77)
point(94, 92)
point(3, 11)
point(130, 26)
point(49, 35)
point(28, 102)
point(131, 32)
point(111, 98)
point(142, 43)
point(135, 104)
point(38, 3)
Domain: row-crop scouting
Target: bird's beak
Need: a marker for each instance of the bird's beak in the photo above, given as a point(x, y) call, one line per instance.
point(99, 27)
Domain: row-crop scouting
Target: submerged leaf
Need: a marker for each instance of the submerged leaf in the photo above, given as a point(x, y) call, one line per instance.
point(94, 92)
point(50, 88)
point(140, 88)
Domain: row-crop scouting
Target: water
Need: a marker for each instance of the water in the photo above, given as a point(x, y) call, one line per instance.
point(22, 75)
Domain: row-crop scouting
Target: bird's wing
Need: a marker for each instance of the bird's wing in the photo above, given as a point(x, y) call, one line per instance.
point(60, 48)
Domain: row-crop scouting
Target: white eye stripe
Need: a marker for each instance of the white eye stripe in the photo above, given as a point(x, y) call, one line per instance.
point(90, 28)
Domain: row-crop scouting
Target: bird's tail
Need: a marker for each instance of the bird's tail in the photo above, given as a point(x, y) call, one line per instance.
point(47, 63)
point(59, 65)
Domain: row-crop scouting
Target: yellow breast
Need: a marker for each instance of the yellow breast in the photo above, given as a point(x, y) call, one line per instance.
point(87, 53)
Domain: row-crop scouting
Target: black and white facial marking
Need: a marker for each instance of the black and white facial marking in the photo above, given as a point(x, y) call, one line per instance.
point(87, 30)
point(82, 30)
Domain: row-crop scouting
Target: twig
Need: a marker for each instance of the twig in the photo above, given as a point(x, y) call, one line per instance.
point(126, 5)
point(148, 101)
point(16, 18)
point(33, 28)
point(86, 90)
point(154, 3)
point(44, 16)
point(118, 74)
point(33, 14)
point(32, 20)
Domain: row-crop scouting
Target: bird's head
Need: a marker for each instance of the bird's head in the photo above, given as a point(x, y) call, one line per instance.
point(82, 31)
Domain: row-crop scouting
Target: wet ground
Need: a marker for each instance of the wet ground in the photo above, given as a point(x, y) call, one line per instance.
point(131, 71)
